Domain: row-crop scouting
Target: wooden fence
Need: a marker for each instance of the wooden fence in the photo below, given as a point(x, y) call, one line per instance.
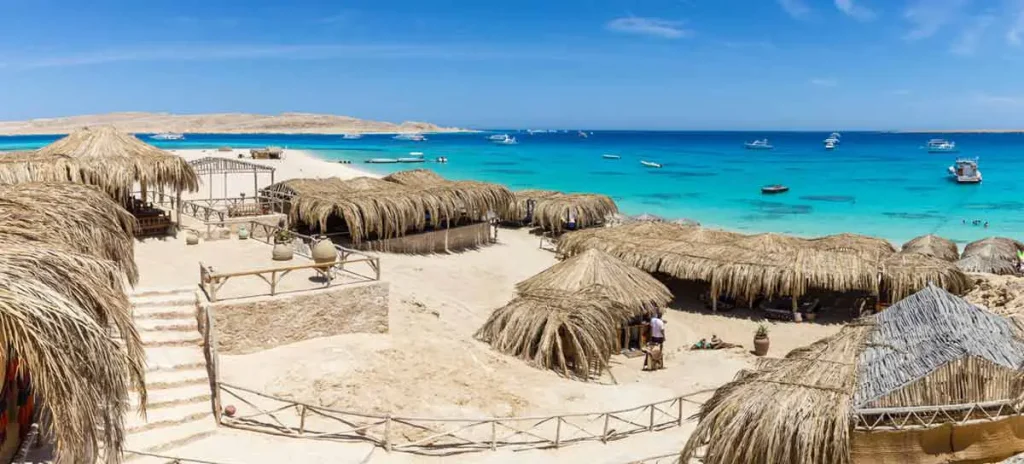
point(259, 412)
point(216, 209)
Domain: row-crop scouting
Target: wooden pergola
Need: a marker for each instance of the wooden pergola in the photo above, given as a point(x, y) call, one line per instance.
point(211, 165)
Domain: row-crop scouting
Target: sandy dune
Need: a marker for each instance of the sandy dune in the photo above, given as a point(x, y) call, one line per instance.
point(222, 123)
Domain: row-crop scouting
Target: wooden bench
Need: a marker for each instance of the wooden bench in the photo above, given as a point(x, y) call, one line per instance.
point(248, 210)
point(151, 226)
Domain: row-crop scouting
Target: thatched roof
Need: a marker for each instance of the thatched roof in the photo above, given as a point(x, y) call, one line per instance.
point(61, 297)
point(993, 255)
point(868, 247)
point(572, 333)
point(552, 210)
point(476, 196)
point(904, 273)
point(415, 177)
point(383, 209)
point(798, 409)
point(621, 282)
point(934, 246)
point(101, 156)
point(646, 217)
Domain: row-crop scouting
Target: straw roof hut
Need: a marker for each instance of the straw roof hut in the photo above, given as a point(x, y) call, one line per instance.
point(479, 198)
point(905, 273)
point(873, 392)
point(115, 161)
point(61, 298)
point(553, 210)
point(934, 246)
point(415, 177)
point(993, 255)
point(863, 245)
point(622, 283)
point(29, 166)
point(572, 333)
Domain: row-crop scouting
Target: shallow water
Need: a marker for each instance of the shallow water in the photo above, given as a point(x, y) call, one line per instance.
point(879, 184)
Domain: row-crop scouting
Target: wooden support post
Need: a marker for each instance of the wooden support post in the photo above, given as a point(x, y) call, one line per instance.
point(650, 426)
point(177, 206)
point(302, 419)
point(211, 185)
point(604, 435)
point(225, 185)
point(679, 419)
point(273, 283)
point(558, 431)
point(494, 436)
point(387, 433)
point(255, 184)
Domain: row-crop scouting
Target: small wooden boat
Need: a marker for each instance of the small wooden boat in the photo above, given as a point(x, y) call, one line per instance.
point(650, 164)
point(611, 157)
point(777, 188)
point(382, 160)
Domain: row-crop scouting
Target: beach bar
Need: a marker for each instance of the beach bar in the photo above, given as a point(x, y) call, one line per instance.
point(429, 215)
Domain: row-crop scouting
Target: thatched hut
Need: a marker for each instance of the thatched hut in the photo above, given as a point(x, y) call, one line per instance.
point(572, 333)
point(993, 255)
point(622, 283)
point(934, 246)
point(556, 211)
point(904, 273)
point(931, 379)
point(865, 246)
point(64, 292)
point(380, 215)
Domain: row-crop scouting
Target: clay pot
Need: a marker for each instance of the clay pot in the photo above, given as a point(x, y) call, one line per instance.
point(323, 251)
point(243, 233)
point(191, 237)
point(761, 346)
point(811, 317)
point(798, 317)
point(283, 252)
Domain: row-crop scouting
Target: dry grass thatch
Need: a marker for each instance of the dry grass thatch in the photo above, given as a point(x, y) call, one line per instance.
point(622, 283)
point(105, 157)
point(934, 246)
point(554, 210)
point(905, 273)
point(572, 333)
point(993, 255)
point(378, 209)
point(797, 409)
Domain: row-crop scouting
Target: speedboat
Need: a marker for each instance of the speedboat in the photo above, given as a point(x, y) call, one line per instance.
point(416, 154)
point(611, 157)
point(497, 137)
point(352, 136)
point(410, 137)
point(965, 171)
point(167, 136)
point(506, 140)
point(773, 189)
point(835, 135)
point(941, 146)
point(758, 145)
point(830, 144)
point(650, 164)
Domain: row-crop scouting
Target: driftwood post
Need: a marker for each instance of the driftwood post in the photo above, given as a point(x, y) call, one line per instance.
point(558, 431)
point(302, 419)
point(679, 419)
point(387, 433)
point(651, 426)
point(604, 435)
point(494, 436)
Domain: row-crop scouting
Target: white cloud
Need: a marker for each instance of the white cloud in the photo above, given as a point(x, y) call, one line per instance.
point(971, 36)
point(926, 17)
point(824, 82)
point(654, 27)
point(795, 8)
point(855, 11)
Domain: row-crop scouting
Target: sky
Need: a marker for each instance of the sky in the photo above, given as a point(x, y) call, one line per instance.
point(597, 64)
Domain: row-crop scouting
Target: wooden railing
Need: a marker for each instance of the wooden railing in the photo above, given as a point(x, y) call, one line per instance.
point(918, 417)
point(259, 412)
point(217, 209)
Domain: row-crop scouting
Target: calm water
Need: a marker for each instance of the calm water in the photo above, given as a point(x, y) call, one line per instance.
point(875, 183)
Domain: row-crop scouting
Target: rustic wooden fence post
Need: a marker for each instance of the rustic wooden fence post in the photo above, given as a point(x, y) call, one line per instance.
point(302, 419)
point(651, 425)
point(494, 435)
point(604, 435)
point(387, 433)
point(558, 431)
point(679, 420)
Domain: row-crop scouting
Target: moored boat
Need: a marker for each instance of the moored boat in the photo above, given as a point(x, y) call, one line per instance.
point(758, 145)
point(382, 160)
point(611, 157)
point(351, 136)
point(941, 146)
point(830, 145)
point(418, 154)
point(167, 136)
point(507, 141)
point(411, 160)
point(965, 171)
point(650, 164)
point(773, 189)
point(410, 137)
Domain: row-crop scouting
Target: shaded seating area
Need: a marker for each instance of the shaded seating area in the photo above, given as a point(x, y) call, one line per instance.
point(557, 212)
point(425, 215)
point(746, 269)
point(931, 379)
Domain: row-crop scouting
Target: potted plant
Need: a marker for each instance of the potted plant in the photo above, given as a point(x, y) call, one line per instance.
point(761, 341)
point(283, 250)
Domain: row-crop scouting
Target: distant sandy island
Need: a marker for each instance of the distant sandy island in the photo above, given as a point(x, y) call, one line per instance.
point(220, 123)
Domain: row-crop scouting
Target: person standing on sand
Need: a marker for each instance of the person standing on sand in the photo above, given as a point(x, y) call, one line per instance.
point(657, 329)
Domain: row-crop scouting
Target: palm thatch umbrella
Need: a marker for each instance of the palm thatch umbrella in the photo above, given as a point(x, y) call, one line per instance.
point(622, 283)
point(905, 273)
point(934, 246)
point(868, 247)
point(553, 210)
point(572, 333)
point(420, 177)
point(993, 255)
point(115, 161)
point(30, 166)
point(930, 350)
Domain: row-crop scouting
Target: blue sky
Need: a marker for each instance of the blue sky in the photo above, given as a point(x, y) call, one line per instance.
point(658, 64)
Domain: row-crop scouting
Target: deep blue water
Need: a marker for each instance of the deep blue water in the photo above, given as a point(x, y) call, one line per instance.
point(880, 184)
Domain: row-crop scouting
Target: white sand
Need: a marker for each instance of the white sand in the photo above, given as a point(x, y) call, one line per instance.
point(430, 365)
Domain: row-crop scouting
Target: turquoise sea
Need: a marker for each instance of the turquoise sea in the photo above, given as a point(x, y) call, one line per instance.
point(882, 184)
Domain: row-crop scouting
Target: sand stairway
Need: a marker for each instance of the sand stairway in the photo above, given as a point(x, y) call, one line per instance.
point(180, 409)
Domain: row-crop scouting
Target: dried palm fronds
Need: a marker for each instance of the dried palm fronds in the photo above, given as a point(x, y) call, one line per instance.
point(868, 247)
point(572, 333)
point(903, 274)
point(920, 352)
point(553, 210)
point(993, 255)
point(622, 283)
point(934, 246)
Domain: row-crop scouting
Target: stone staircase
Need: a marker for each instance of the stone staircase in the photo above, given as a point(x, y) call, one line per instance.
point(180, 409)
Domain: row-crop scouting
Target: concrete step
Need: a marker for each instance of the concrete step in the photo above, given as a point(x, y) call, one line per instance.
point(164, 440)
point(166, 417)
point(174, 358)
point(173, 311)
point(145, 292)
point(172, 299)
point(170, 338)
point(175, 396)
point(178, 378)
point(178, 323)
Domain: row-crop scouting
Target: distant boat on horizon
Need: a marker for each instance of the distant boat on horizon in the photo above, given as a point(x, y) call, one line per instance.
point(497, 137)
point(351, 136)
point(941, 146)
point(650, 164)
point(582, 134)
point(168, 136)
point(611, 157)
point(410, 137)
point(504, 139)
point(758, 145)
